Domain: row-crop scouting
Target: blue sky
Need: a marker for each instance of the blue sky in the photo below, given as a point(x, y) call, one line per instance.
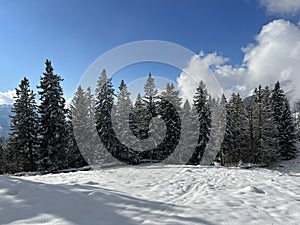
point(72, 34)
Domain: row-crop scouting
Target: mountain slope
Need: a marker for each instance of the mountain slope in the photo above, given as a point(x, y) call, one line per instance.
point(157, 194)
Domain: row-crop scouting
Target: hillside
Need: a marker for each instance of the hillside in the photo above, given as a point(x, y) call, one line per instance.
point(156, 194)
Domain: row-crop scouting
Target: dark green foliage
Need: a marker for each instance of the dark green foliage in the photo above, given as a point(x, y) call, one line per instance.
point(201, 104)
point(218, 115)
point(264, 130)
point(287, 138)
point(78, 130)
point(3, 160)
point(52, 130)
point(284, 123)
point(235, 147)
point(22, 141)
point(104, 105)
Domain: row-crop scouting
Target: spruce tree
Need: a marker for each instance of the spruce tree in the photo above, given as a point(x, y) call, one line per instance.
point(264, 130)
point(282, 118)
point(188, 135)
point(94, 142)
point(287, 133)
point(52, 125)
point(22, 140)
point(150, 100)
point(104, 100)
point(172, 96)
point(228, 141)
point(74, 157)
point(79, 117)
point(121, 119)
point(122, 111)
point(104, 106)
point(137, 121)
point(201, 104)
point(2, 157)
point(169, 97)
point(218, 115)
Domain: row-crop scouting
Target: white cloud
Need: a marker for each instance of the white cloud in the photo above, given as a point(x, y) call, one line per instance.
point(199, 68)
point(7, 97)
point(282, 7)
point(274, 56)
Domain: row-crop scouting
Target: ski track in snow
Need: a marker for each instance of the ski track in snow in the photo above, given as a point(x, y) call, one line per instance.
point(157, 194)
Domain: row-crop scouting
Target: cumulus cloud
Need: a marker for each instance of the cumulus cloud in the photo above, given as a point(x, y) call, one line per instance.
point(275, 55)
point(7, 97)
point(200, 68)
point(282, 7)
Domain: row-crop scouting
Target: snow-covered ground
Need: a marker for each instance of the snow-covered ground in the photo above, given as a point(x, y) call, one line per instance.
point(156, 194)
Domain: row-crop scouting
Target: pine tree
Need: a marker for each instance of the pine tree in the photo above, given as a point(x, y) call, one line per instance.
point(150, 100)
point(137, 122)
point(94, 142)
point(2, 157)
point(188, 136)
point(235, 144)
point(282, 117)
point(218, 115)
point(227, 145)
point(104, 97)
point(204, 116)
point(264, 130)
point(287, 133)
point(241, 130)
point(122, 111)
point(74, 157)
point(169, 110)
point(104, 106)
point(79, 117)
point(52, 130)
point(23, 137)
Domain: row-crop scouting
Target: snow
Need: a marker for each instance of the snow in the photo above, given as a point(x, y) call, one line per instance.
point(155, 194)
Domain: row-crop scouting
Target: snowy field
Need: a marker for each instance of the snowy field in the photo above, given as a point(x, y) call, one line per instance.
point(155, 195)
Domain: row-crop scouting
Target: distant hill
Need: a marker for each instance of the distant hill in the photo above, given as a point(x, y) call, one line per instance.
point(5, 111)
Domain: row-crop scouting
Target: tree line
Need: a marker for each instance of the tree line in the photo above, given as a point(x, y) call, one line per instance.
point(50, 137)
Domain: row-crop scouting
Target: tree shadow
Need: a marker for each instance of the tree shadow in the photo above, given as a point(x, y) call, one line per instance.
point(82, 204)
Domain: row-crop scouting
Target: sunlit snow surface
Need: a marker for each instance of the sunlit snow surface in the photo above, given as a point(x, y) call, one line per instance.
point(156, 194)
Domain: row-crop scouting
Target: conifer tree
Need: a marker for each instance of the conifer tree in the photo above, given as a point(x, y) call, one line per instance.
point(102, 116)
point(150, 97)
point(104, 106)
point(121, 118)
point(79, 117)
point(150, 100)
point(23, 137)
point(74, 157)
point(235, 146)
point(122, 111)
point(228, 143)
point(136, 117)
point(204, 116)
point(52, 125)
point(218, 115)
point(169, 97)
point(282, 118)
point(172, 96)
point(2, 157)
point(287, 133)
point(264, 130)
point(94, 142)
point(188, 135)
